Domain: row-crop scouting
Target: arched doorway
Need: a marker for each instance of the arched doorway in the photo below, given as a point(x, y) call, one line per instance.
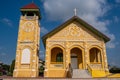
point(76, 58)
point(95, 55)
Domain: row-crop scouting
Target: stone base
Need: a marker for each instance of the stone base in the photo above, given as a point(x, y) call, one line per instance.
point(25, 73)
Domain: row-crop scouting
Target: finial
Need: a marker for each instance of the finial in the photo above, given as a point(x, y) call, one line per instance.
point(75, 12)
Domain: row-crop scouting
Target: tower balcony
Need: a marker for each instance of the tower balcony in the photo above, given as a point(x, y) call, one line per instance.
point(29, 17)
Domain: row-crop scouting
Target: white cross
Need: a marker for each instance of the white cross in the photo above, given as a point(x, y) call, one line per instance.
point(75, 11)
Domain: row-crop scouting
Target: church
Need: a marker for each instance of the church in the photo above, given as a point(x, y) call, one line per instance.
point(70, 49)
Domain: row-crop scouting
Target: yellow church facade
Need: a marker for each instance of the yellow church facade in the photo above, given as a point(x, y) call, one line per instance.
point(75, 45)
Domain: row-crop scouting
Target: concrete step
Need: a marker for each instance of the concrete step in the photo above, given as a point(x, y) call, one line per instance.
point(63, 79)
point(77, 73)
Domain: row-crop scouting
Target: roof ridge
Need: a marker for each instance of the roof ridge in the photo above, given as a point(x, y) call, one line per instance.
point(30, 6)
point(85, 24)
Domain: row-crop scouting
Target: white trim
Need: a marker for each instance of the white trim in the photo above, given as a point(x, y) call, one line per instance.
point(25, 59)
point(33, 69)
point(46, 69)
point(33, 61)
point(15, 70)
point(74, 41)
point(16, 60)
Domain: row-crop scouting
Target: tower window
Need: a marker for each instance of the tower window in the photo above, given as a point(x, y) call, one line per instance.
point(30, 14)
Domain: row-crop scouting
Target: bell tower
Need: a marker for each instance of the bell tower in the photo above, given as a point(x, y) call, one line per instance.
point(27, 51)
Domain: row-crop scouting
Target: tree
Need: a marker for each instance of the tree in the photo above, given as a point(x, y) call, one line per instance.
point(12, 67)
point(4, 69)
point(115, 69)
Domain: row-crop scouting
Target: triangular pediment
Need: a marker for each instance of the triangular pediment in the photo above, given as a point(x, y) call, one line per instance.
point(75, 29)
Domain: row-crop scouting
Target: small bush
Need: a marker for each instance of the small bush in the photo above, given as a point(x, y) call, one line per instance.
point(115, 70)
point(10, 74)
point(1, 73)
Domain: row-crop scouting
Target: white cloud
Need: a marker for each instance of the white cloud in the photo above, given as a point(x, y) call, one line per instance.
point(62, 9)
point(89, 10)
point(116, 19)
point(7, 21)
point(117, 1)
point(43, 30)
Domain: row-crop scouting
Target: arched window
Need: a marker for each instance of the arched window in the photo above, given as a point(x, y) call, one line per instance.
point(95, 55)
point(56, 54)
point(25, 59)
point(59, 57)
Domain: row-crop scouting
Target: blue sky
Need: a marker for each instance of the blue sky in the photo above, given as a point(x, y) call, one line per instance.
point(104, 15)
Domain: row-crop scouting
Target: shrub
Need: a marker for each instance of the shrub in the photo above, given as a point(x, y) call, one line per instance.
point(1, 73)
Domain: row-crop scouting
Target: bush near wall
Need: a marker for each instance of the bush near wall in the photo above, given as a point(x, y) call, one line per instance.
point(114, 69)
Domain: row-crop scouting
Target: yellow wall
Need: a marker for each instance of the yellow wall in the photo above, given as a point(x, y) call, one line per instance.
point(57, 73)
point(98, 73)
point(27, 38)
point(72, 36)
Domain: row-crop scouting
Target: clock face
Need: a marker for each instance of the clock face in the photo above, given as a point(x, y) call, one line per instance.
point(28, 26)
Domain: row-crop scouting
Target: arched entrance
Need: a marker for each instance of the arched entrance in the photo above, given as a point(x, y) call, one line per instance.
point(76, 58)
point(95, 55)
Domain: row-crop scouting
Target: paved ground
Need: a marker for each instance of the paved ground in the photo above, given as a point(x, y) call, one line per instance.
point(41, 78)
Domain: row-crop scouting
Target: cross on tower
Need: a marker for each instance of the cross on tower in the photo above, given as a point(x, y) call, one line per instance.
point(75, 11)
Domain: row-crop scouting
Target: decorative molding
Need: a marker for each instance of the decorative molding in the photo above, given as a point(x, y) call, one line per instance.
point(74, 31)
point(56, 43)
point(33, 70)
point(33, 61)
point(46, 69)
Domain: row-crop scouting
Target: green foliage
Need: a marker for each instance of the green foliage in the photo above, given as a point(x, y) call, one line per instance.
point(114, 69)
point(12, 67)
point(1, 73)
point(6, 67)
point(41, 69)
point(10, 74)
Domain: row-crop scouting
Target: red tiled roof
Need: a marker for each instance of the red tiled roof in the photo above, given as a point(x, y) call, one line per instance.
point(30, 6)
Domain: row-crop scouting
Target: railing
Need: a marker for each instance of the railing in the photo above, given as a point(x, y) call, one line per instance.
point(89, 68)
point(96, 70)
point(56, 62)
point(69, 70)
point(95, 62)
point(96, 66)
point(56, 65)
point(29, 17)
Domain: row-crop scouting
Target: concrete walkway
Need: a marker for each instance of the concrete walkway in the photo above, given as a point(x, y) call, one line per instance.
point(60, 79)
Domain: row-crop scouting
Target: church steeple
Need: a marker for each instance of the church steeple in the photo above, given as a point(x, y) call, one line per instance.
point(27, 58)
point(31, 10)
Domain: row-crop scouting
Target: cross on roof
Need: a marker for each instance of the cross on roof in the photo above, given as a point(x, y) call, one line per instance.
point(75, 11)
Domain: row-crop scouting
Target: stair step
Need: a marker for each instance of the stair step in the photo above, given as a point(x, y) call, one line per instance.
point(77, 73)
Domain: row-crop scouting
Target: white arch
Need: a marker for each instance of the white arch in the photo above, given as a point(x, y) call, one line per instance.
point(25, 59)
